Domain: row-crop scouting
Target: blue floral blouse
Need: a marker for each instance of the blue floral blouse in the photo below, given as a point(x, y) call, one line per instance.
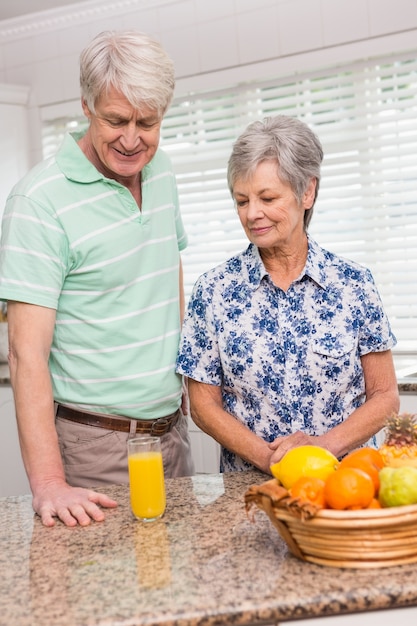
point(285, 360)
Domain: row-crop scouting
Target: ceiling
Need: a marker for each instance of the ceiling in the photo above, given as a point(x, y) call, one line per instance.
point(17, 8)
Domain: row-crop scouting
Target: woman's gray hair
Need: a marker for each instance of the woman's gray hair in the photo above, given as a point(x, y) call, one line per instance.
point(289, 142)
point(130, 62)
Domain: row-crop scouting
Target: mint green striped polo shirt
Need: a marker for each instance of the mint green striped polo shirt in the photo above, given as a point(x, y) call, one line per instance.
point(75, 241)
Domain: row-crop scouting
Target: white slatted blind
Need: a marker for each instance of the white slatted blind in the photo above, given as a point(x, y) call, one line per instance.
point(366, 118)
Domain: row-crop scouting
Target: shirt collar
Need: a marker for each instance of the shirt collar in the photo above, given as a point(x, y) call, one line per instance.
point(315, 267)
point(254, 266)
point(73, 162)
point(75, 166)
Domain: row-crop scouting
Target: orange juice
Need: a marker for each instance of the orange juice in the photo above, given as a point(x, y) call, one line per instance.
point(147, 487)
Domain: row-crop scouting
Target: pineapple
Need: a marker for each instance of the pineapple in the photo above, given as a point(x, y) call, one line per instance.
point(400, 445)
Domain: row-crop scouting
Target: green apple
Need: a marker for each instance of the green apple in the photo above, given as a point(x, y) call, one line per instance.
point(398, 486)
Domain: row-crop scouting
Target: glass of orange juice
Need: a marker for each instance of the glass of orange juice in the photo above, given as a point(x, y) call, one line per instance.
point(146, 478)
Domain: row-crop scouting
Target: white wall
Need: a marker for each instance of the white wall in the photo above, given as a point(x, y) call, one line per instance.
point(14, 142)
point(13, 479)
point(214, 43)
point(408, 403)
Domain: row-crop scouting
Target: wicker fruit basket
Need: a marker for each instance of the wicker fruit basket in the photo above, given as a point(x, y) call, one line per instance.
point(356, 539)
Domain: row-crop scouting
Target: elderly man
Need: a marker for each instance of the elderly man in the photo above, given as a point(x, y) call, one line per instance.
point(90, 267)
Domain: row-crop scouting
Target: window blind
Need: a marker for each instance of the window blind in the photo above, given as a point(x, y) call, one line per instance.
point(366, 118)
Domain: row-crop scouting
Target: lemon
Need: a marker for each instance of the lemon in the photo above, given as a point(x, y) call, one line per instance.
point(311, 461)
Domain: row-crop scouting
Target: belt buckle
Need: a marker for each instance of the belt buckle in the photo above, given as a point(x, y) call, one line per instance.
point(157, 424)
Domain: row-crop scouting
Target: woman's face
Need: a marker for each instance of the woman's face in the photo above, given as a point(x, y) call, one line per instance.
point(268, 210)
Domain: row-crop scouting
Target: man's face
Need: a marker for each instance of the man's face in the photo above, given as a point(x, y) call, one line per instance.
point(123, 139)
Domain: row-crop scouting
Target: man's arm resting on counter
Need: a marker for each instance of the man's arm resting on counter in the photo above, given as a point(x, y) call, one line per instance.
point(208, 413)
point(30, 336)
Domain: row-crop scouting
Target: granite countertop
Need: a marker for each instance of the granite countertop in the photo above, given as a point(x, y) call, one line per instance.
point(407, 385)
point(203, 563)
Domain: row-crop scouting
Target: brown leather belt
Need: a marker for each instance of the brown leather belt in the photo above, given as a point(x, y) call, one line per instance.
point(157, 427)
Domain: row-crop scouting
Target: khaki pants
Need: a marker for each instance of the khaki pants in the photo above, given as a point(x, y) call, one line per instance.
point(94, 456)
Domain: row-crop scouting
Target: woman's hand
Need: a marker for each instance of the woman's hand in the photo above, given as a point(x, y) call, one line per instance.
point(281, 445)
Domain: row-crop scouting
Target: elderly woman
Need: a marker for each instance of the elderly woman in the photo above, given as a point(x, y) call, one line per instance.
point(285, 344)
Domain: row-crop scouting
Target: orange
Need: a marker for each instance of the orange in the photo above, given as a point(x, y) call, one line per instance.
point(370, 455)
point(374, 504)
point(349, 488)
point(309, 489)
point(360, 462)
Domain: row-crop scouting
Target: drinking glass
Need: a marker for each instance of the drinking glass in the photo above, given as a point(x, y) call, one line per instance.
point(146, 478)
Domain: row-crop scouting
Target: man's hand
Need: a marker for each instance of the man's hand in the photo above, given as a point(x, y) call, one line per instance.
point(72, 505)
